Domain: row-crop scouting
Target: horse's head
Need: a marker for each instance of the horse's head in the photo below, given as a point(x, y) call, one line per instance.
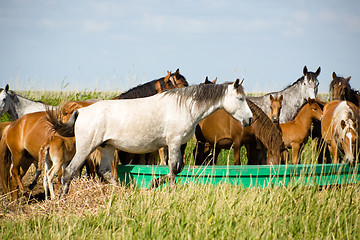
point(339, 87)
point(207, 81)
point(310, 83)
point(4, 100)
point(315, 109)
point(349, 139)
point(235, 103)
point(177, 80)
point(275, 108)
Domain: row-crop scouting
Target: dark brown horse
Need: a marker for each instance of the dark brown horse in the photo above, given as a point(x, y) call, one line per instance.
point(224, 132)
point(340, 89)
point(171, 81)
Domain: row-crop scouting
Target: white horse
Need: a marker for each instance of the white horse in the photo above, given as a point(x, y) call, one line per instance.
point(146, 124)
point(17, 106)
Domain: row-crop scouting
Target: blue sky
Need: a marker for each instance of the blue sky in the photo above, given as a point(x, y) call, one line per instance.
point(115, 45)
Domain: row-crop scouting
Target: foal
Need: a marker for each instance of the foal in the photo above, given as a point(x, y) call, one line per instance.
point(296, 132)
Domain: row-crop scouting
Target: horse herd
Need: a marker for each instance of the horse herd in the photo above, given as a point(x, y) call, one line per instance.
point(158, 118)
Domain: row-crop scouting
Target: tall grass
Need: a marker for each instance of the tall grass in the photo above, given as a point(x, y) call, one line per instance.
point(198, 212)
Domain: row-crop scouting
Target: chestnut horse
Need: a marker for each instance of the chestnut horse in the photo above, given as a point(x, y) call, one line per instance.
point(297, 131)
point(224, 132)
point(22, 141)
point(275, 108)
point(340, 89)
point(340, 129)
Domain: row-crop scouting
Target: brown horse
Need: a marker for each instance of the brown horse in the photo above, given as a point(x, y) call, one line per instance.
point(340, 89)
point(297, 131)
point(3, 127)
point(340, 129)
point(224, 132)
point(22, 141)
point(275, 108)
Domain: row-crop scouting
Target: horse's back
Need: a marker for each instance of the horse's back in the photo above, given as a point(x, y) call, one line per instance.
point(29, 132)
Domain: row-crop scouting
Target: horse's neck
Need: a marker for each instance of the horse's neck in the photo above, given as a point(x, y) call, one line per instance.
point(202, 112)
point(304, 118)
point(24, 106)
point(294, 99)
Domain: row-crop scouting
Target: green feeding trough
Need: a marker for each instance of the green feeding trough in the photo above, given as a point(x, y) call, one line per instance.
point(246, 176)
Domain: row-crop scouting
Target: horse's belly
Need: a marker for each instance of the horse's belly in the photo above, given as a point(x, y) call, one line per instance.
point(138, 147)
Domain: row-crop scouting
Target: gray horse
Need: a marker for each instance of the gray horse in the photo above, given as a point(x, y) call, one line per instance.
point(294, 95)
point(17, 106)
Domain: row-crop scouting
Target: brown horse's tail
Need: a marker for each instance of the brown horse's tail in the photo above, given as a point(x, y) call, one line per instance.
point(5, 165)
point(64, 129)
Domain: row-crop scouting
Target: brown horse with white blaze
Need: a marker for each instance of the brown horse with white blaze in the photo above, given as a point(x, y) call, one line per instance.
point(340, 129)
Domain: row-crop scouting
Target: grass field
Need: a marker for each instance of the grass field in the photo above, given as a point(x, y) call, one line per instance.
point(94, 210)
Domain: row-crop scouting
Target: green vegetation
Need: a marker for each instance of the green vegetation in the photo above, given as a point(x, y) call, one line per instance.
point(95, 210)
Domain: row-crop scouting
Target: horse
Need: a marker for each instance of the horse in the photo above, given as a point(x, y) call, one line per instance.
point(297, 131)
point(22, 141)
point(170, 81)
point(17, 106)
point(294, 95)
point(275, 108)
point(340, 89)
point(166, 119)
point(340, 129)
point(57, 151)
point(224, 132)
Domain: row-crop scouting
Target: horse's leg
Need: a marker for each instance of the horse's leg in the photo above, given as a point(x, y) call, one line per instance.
point(237, 155)
point(51, 173)
point(107, 157)
point(334, 151)
point(70, 171)
point(38, 173)
point(216, 155)
point(176, 164)
point(163, 155)
point(44, 158)
point(199, 153)
point(295, 152)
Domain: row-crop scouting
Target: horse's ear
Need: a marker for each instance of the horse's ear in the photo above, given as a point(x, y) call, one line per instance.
point(348, 78)
point(334, 75)
point(305, 71)
point(206, 80)
point(281, 98)
point(271, 98)
point(236, 83)
point(177, 73)
point(343, 124)
point(318, 71)
point(166, 79)
point(214, 81)
point(7, 88)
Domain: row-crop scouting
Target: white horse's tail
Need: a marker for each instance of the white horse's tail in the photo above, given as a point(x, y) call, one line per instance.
point(64, 129)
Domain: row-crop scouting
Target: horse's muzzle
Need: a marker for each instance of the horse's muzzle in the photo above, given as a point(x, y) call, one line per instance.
point(248, 123)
